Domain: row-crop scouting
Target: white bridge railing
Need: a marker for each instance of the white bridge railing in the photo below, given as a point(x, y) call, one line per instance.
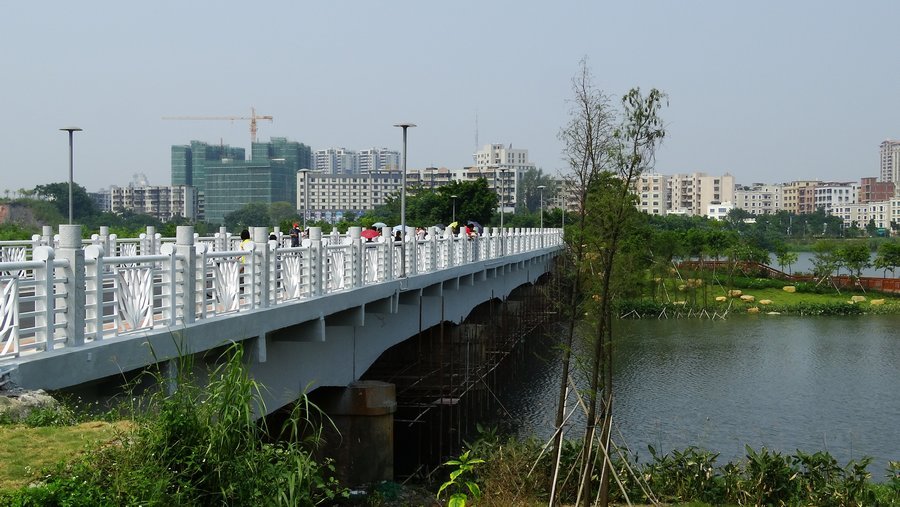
point(61, 291)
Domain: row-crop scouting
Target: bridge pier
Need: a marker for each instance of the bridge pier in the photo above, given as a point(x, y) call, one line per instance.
point(363, 413)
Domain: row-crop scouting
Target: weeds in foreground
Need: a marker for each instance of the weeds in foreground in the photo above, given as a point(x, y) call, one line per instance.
point(462, 481)
point(518, 469)
point(194, 446)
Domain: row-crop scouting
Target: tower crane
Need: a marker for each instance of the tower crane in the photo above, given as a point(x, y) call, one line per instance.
point(253, 117)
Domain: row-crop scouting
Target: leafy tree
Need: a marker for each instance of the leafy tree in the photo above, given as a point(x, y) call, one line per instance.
point(58, 194)
point(785, 257)
point(281, 213)
point(253, 214)
point(529, 198)
point(888, 258)
point(825, 261)
point(855, 256)
point(426, 207)
point(872, 228)
point(632, 150)
point(587, 138)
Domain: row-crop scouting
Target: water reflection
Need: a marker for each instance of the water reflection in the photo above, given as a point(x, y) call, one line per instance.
point(785, 383)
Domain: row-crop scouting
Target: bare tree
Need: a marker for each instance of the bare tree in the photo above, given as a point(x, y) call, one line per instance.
point(587, 137)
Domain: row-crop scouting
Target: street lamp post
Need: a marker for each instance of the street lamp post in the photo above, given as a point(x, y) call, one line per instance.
point(71, 131)
point(305, 195)
point(502, 196)
point(454, 207)
point(404, 126)
point(541, 188)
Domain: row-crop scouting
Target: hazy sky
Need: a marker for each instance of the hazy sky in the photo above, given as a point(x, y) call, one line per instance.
point(767, 90)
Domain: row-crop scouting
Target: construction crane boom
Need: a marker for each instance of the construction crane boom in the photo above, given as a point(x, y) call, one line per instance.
point(253, 117)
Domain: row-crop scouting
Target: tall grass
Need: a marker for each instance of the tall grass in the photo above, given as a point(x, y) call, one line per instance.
point(516, 472)
point(195, 443)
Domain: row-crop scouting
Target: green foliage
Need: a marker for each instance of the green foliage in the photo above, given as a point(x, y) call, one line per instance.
point(888, 258)
point(688, 474)
point(195, 446)
point(462, 480)
point(520, 470)
point(426, 207)
point(253, 214)
point(58, 194)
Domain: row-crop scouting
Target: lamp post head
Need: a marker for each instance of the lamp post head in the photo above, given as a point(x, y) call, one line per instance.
point(72, 129)
point(405, 125)
point(541, 187)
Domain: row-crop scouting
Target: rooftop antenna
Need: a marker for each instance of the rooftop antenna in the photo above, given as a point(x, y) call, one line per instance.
point(476, 130)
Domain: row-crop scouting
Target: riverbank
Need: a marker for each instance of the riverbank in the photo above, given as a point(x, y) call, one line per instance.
point(701, 299)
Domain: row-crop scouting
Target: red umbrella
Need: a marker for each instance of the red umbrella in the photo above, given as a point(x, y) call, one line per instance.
point(369, 234)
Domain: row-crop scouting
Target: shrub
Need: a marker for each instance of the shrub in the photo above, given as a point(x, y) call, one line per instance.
point(195, 446)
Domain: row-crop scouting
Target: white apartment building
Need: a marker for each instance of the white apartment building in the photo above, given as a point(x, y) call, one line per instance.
point(834, 196)
point(860, 214)
point(378, 159)
point(510, 163)
point(759, 198)
point(336, 161)
point(719, 211)
point(691, 194)
point(324, 196)
point(890, 162)
point(893, 212)
point(160, 202)
point(652, 191)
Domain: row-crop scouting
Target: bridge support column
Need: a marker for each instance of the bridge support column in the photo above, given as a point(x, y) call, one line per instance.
point(363, 412)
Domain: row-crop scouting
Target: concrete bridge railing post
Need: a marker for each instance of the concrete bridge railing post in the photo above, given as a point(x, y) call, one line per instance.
point(411, 244)
point(260, 267)
point(70, 250)
point(104, 239)
point(170, 300)
point(432, 248)
point(47, 235)
point(221, 240)
point(93, 299)
point(357, 253)
point(45, 301)
point(186, 276)
point(386, 261)
point(316, 261)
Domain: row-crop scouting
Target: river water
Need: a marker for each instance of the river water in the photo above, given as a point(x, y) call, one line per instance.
point(785, 383)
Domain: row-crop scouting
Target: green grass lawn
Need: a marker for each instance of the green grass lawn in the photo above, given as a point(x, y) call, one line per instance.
point(782, 301)
point(24, 450)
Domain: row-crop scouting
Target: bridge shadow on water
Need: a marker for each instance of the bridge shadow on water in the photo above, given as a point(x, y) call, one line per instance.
point(450, 377)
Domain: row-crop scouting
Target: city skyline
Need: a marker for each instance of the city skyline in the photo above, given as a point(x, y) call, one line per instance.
point(766, 92)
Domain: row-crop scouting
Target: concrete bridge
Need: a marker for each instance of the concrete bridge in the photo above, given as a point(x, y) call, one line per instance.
point(75, 312)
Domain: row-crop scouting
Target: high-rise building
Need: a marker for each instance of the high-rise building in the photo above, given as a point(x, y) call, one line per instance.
point(497, 158)
point(189, 161)
point(336, 161)
point(378, 159)
point(225, 181)
point(890, 162)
